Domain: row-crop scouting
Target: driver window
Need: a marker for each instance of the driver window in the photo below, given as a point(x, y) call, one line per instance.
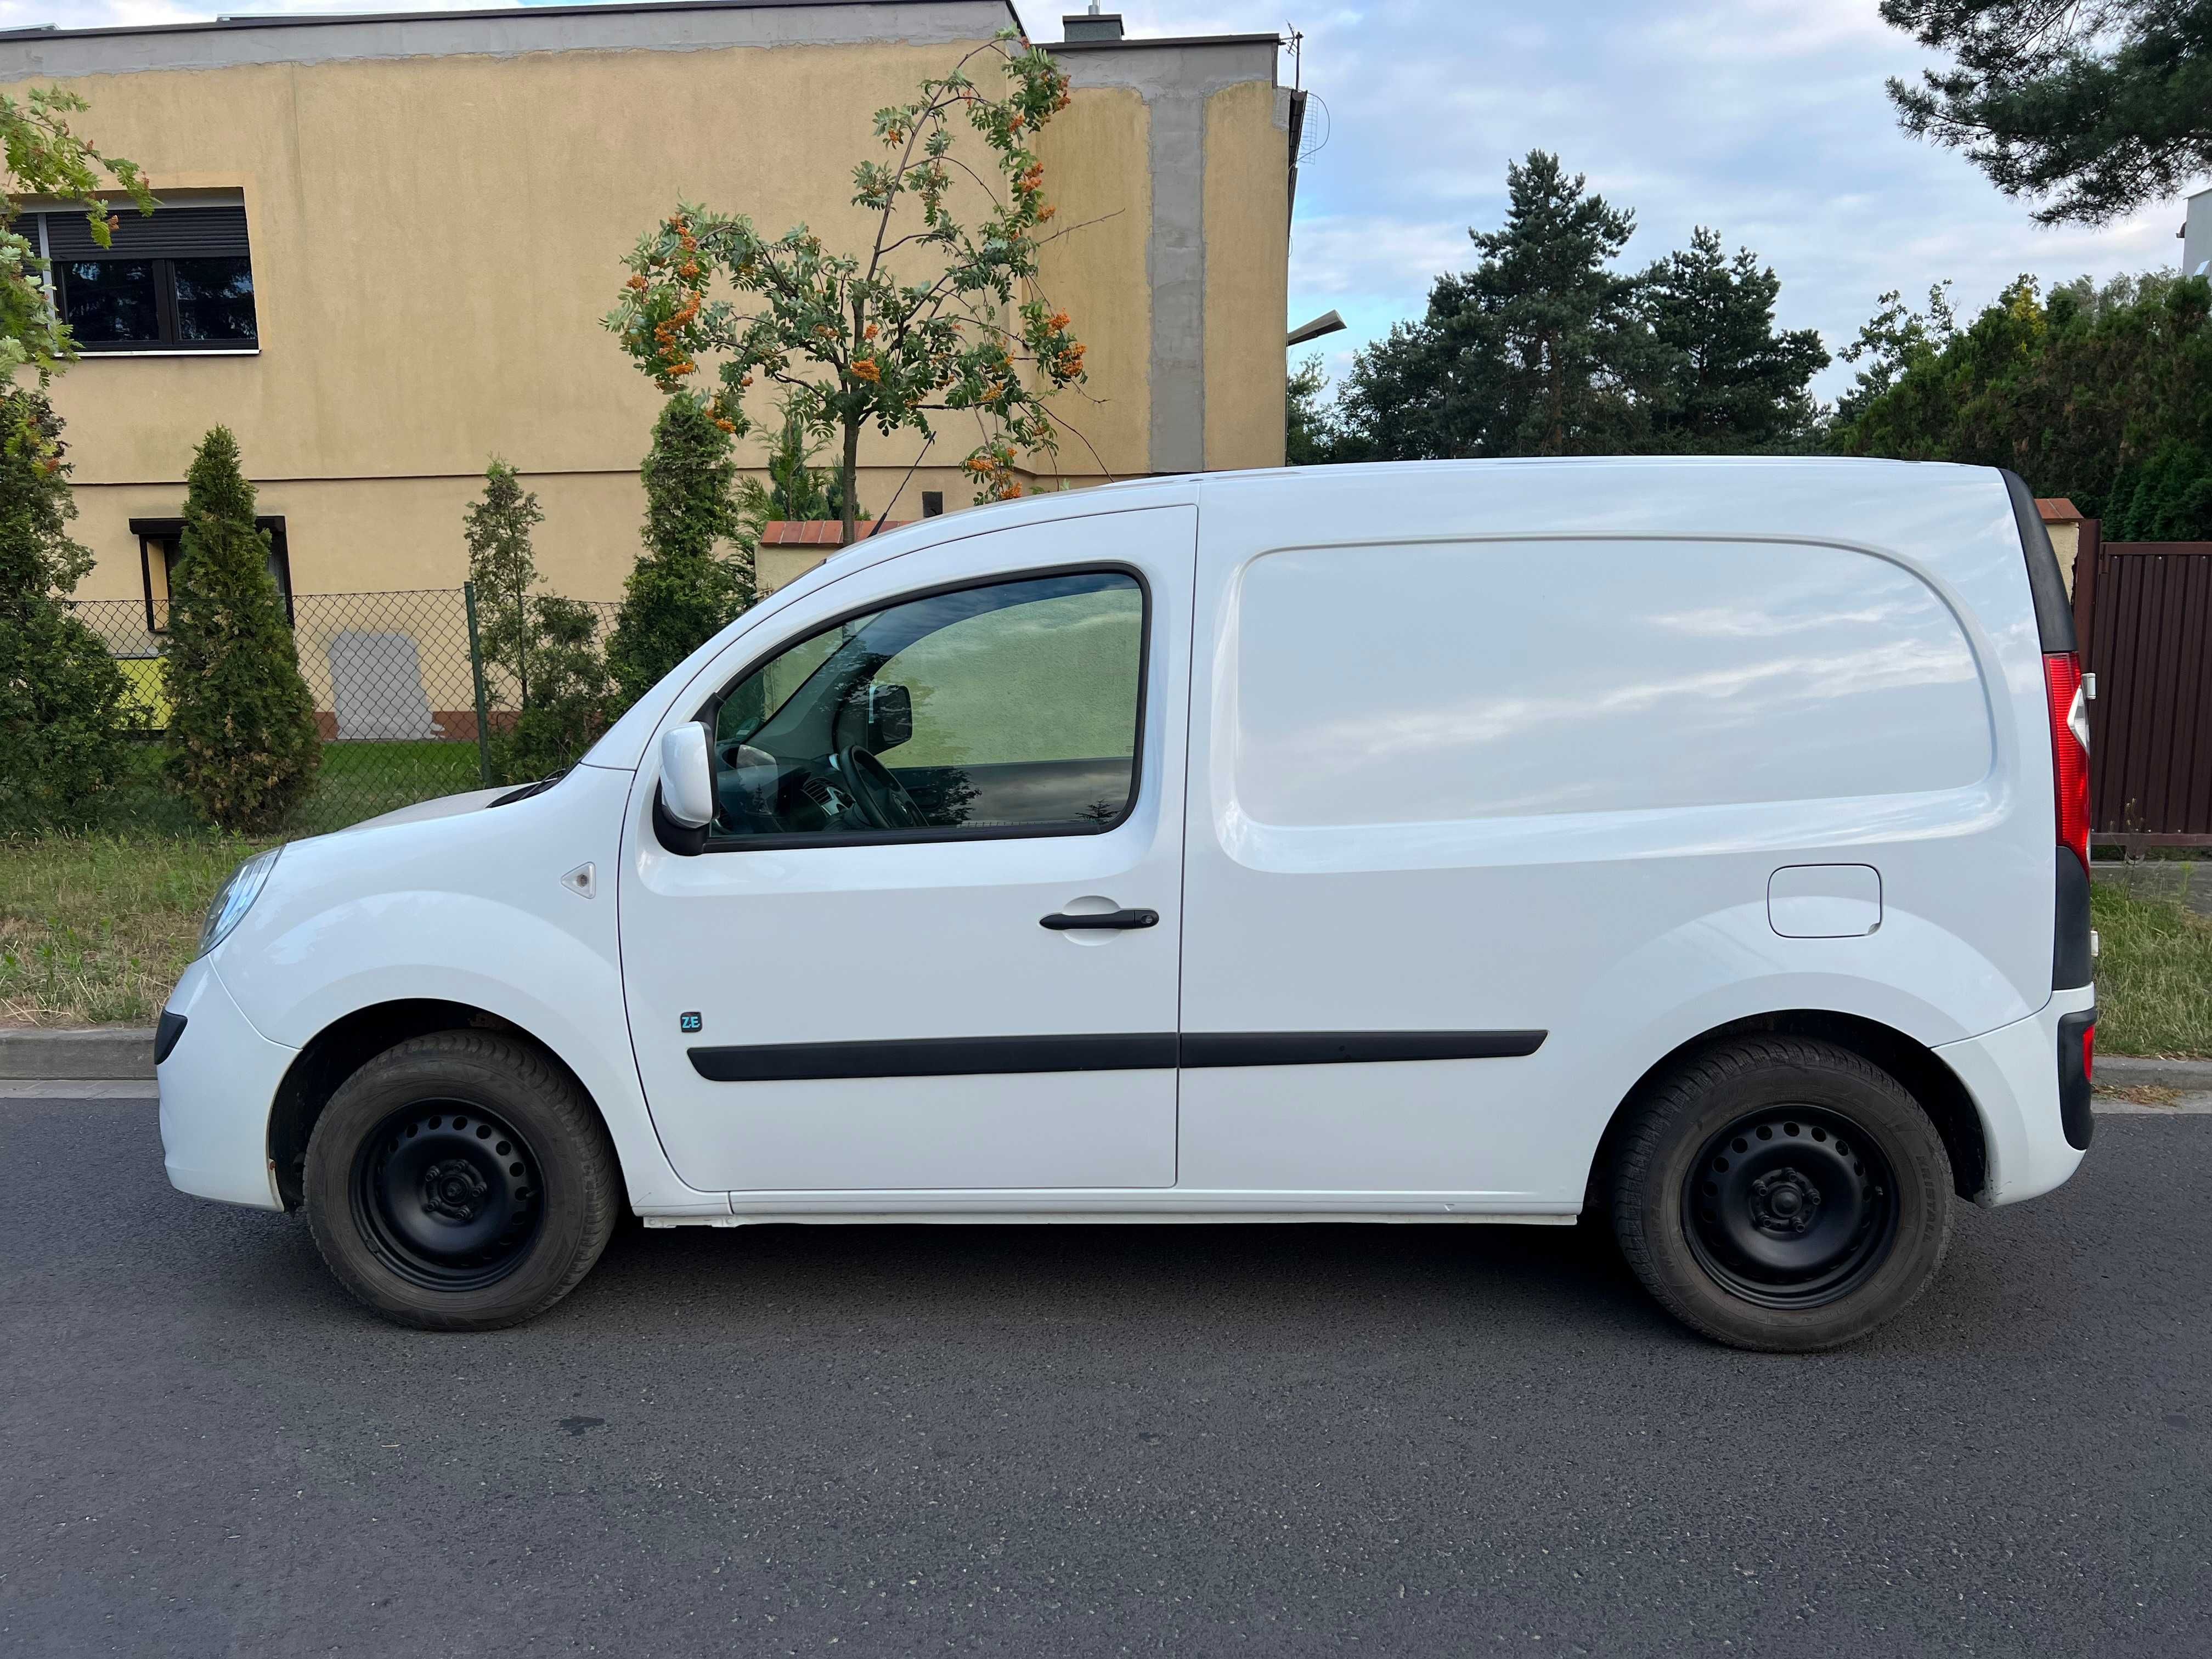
point(1011, 706)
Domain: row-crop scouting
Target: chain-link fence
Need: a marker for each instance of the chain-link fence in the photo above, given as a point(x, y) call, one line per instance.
point(408, 706)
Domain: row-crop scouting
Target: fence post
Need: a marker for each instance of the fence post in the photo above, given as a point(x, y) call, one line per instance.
point(476, 669)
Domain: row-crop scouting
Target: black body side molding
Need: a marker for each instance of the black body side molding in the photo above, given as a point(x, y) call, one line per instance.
point(1144, 1051)
point(1211, 1048)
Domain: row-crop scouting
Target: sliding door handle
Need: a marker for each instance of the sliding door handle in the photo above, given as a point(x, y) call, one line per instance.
point(1117, 920)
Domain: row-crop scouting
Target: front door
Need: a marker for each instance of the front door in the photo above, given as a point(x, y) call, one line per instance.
point(932, 944)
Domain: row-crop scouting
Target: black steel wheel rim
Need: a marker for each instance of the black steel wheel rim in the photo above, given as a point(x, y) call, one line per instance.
point(448, 1196)
point(1791, 1206)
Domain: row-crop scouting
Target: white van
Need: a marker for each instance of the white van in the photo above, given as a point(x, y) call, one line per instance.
point(1696, 845)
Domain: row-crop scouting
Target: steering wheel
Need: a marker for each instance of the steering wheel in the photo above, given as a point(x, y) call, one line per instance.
point(883, 800)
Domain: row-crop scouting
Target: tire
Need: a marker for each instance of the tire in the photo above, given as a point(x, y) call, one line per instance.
point(1782, 1194)
point(460, 1182)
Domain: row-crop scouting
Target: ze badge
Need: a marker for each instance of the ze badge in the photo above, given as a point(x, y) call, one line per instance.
point(687, 1022)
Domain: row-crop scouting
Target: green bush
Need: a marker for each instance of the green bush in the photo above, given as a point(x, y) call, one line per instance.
point(683, 589)
point(243, 745)
point(570, 694)
point(62, 716)
point(541, 652)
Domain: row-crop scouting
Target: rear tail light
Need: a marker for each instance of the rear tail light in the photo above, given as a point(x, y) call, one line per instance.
point(2069, 749)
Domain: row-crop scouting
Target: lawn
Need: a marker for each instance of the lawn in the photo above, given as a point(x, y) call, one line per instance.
point(2154, 978)
point(95, 927)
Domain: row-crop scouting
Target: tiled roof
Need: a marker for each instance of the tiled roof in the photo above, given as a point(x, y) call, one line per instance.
point(2056, 509)
point(818, 532)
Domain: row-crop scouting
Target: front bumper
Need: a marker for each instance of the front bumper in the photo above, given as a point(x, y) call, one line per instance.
point(2012, 1073)
point(217, 1087)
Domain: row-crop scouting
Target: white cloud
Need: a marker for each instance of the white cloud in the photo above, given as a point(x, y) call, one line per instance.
point(1765, 119)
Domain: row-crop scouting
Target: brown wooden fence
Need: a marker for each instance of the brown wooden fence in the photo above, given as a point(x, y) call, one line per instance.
point(2144, 612)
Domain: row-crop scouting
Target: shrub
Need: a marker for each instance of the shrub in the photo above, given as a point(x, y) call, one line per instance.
point(542, 649)
point(502, 569)
point(62, 716)
point(683, 589)
point(243, 745)
point(569, 694)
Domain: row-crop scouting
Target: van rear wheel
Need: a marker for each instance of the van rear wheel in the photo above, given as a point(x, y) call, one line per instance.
point(459, 1182)
point(1783, 1194)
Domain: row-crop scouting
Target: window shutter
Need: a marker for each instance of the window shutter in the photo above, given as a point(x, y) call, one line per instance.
point(169, 233)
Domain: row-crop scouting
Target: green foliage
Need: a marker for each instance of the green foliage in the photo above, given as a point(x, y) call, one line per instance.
point(1720, 377)
point(2102, 395)
point(2099, 106)
point(1521, 355)
point(62, 716)
point(2165, 498)
point(1544, 349)
point(242, 739)
point(796, 488)
point(853, 342)
point(1310, 433)
point(502, 569)
point(540, 653)
point(684, 588)
point(570, 694)
point(1891, 342)
point(45, 159)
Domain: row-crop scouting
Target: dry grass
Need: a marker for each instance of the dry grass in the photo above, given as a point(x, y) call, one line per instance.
point(2141, 1094)
point(95, 929)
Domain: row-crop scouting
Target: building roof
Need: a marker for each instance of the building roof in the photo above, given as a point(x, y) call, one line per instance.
point(819, 532)
point(2057, 509)
point(327, 19)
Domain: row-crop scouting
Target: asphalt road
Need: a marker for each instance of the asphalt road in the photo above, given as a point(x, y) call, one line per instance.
point(1089, 1440)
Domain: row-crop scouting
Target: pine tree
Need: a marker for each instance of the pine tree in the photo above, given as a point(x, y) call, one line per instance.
point(1721, 378)
point(2100, 108)
point(683, 588)
point(1534, 352)
point(62, 717)
point(242, 739)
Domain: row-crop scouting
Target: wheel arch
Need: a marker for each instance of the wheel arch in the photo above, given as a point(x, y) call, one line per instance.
point(343, 1047)
point(1917, 1068)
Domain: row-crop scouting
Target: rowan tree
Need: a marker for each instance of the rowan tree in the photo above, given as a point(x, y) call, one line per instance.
point(931, 318)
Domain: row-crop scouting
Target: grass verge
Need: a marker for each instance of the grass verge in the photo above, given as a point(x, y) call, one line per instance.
point(2153, 977)
point(95, 929)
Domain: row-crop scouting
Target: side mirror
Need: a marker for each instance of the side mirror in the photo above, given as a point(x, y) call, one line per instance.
point(890, 717)
point(687, 782)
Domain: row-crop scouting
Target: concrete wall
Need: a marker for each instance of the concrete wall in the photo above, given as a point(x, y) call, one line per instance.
point(439, 209)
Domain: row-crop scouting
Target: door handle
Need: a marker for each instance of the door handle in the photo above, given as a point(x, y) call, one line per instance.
point(1118, 921)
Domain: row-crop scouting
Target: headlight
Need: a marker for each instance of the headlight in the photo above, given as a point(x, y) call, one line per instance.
point(236, 898)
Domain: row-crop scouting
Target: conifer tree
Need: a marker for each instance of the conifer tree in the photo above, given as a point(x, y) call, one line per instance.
point(685, 587)
point(242, 739)
point(503, 570)
point(62, 717)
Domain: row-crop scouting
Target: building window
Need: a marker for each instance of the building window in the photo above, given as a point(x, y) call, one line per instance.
point(180, 279)
point(159, 543)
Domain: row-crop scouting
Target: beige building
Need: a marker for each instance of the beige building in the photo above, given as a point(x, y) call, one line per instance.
point(388, 242)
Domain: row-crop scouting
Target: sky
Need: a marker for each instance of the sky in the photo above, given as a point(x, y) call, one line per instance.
point(1765, 119)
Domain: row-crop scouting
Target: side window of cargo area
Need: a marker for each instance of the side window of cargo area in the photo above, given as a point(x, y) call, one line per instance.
point(1008, 707)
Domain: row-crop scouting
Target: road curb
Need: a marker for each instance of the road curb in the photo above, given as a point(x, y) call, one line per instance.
point(2120, 1072)
point(105, 1051)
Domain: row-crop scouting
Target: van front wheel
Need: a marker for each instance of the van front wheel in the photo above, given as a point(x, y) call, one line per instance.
point(1783, 1194)
point(459, 1182)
